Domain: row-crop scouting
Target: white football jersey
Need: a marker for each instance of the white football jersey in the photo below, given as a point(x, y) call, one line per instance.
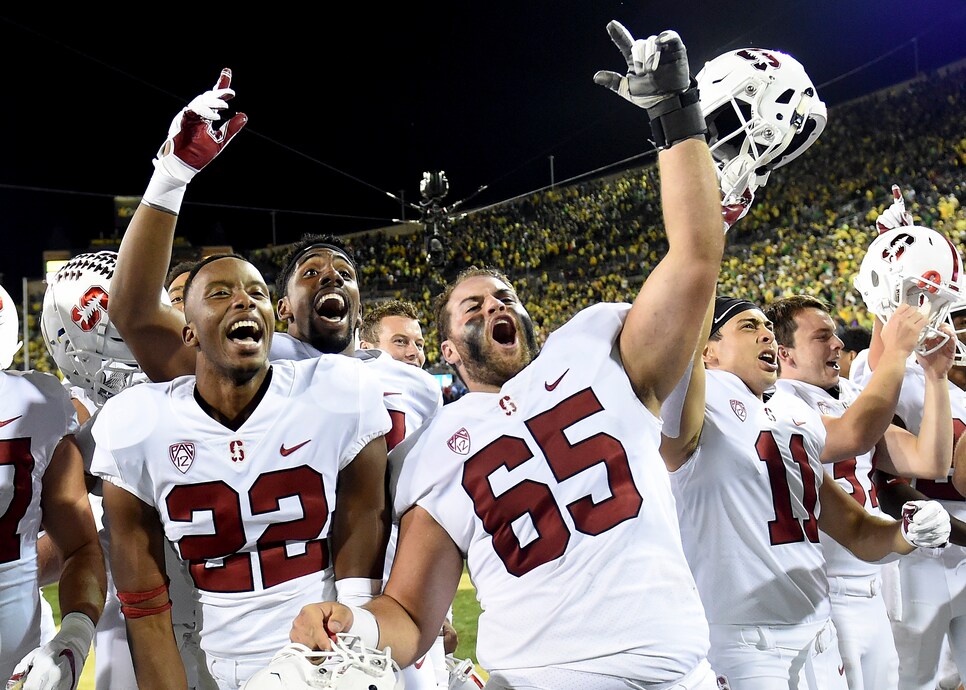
point(556, 494)
point(285, 346)
point(748, 504)
point(248, 510)
point(909, 412)
point(35, 414)
point(854, 475)
point(411, 394)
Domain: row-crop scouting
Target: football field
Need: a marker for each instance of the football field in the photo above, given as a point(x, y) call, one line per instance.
point(466, 610)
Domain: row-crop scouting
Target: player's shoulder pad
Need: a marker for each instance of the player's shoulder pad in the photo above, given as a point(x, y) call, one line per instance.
point(132, 414)
point(48, 384)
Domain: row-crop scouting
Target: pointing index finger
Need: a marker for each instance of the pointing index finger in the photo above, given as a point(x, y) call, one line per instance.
point(622, 39)
point(224, 79)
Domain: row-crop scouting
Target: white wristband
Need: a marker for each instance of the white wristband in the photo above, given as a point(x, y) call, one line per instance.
point(78, 626)
point(364, 626)
point(164, 193)
point(356, 591)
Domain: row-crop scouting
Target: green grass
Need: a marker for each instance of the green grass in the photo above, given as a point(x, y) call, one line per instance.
point(466, 611)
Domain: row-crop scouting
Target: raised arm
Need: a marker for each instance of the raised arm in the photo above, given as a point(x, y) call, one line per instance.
point(683, 411)
point(662, 329)
point(930, 453)
point(151, 328)
point(868, 418)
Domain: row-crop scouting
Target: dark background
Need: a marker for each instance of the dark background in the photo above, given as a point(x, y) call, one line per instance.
point(347, 107)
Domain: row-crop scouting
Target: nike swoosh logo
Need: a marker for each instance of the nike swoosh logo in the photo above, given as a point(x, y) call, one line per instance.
point(387, 394)
point(2, 424)
point(69, 653)
point(798, 423)
point(551, 386)
point(288, 451)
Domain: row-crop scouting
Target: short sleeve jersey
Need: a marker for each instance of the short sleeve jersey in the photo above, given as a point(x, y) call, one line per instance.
point(747, 500)
point(854, 475)
point(411, 395)
point(250, 510)
point(555, 492)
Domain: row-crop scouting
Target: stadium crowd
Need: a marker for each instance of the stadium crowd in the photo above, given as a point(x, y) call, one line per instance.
point(660, 353)
point(570, 247)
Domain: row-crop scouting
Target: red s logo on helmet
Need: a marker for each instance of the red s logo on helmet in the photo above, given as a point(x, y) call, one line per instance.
point(898, 246)
point(87, 313)
point(762, 59)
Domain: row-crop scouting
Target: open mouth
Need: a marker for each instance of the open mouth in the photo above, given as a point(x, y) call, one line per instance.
point(504, 331)
point(770, 358)
point(331, 306)
point(246, 331)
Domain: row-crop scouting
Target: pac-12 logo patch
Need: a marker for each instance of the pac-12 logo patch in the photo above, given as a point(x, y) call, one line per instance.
point(182, 455)
point(738, 408)
point(460, 442)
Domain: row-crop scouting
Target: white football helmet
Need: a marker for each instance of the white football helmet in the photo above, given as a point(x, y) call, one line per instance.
point(78, 331)
point(9, 329)
point(462, 674)
point(348, 666)
point(918, 266)
point(762, 111)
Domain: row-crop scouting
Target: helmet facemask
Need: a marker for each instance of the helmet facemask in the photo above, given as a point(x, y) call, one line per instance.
point(762, 111)
point(347, 666)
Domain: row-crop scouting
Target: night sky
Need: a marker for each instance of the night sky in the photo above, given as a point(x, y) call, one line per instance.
point(345, 114)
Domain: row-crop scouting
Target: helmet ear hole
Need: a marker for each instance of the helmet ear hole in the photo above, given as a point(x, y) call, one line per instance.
point(785, 97)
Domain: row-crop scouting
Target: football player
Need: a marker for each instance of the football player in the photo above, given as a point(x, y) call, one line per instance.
point(97, 364)
point(42, 487)
point(546, 477)
point(751, 495)
point(930, 585)
point(269, 479)
point(808, 355)
point(317, 286)
point(393, 327)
